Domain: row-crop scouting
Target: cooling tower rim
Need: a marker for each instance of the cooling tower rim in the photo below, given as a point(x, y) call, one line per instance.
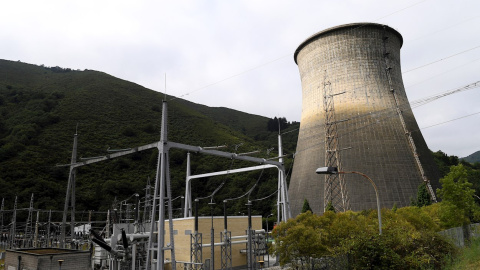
point(350, 25)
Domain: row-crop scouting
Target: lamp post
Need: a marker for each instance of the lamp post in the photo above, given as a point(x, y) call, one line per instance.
point(266, 221)
point(334, 170)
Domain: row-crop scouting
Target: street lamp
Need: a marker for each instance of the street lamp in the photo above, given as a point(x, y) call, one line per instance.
point(266, 219)
point(334, 170)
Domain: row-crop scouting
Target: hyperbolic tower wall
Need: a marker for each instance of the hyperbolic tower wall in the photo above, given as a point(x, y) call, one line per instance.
point(356, 115)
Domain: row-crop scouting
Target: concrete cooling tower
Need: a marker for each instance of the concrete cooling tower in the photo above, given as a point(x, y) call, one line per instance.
point(356, 116)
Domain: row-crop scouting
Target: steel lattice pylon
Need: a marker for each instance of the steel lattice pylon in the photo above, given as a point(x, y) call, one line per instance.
point(335, 191)
point(13, 228)
point(260, 249)
point(196, 250)
point(226, 250)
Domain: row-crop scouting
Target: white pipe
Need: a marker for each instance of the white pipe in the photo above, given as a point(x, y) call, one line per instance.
point(223, 243)
point(246, 236)
point(134, 256)
point(133, 236)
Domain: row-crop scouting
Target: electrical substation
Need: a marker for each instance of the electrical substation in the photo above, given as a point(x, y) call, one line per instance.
point(127, 241)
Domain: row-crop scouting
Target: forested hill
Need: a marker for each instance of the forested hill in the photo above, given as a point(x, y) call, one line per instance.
point(43, 107)
point(472, 158)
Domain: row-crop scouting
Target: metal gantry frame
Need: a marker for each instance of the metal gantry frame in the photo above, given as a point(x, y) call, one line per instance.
point(282, 200)
point(162, 189)
point(189, 178)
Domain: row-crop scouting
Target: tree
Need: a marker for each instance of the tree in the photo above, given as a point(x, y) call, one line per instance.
point(298, 240)
point(306, 206)
point(394, 208)
point(458, 203)
point(444, 161)
point(274, 124)
point(330, 207)
point(409, 240)
point(423, 197)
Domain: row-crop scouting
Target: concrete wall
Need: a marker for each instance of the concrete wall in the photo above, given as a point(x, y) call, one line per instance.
point(457, 235)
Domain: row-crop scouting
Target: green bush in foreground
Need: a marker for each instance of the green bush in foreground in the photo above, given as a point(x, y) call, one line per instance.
point(409, 239)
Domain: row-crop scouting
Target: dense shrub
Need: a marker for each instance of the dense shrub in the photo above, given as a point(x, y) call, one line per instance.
point(409, 239)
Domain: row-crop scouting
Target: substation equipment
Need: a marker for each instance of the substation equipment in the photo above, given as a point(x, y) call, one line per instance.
point(145, 248)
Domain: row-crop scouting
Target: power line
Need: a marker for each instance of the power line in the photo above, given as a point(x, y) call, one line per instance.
point(400, 10)
point(450, 70)
point(388, 113)
point(232, 76)
point(284, 56)
point(436, 61)
point(442, 29)
point(448, 121)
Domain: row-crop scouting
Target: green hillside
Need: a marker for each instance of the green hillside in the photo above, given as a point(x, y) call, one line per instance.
point(41, 108)
point(475, 157)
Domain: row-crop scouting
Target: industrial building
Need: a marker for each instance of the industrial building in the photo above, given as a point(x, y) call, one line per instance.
point(237, 226)
point(47, 258)
point(356, 116)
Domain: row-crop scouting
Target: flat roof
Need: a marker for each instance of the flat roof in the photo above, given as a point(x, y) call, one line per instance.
point(45, 251)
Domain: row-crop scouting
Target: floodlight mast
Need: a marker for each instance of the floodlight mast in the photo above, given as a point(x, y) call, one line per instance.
point(334, 170)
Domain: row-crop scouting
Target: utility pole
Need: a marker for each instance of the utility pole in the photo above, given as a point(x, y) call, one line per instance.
point(35, 239)
point(70, 189)
point(162, 186)
point(28, 225)
point(48, 228)
point(13, 230)
point(1, 215)
point(146, 210)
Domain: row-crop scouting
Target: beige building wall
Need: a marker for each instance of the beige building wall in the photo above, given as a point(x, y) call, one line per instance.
point(183, 227)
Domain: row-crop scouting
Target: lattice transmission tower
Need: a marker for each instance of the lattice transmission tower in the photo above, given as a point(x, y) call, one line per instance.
point(335, 191)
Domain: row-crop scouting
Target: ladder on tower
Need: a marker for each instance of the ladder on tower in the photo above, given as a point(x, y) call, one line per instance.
point(402, 120)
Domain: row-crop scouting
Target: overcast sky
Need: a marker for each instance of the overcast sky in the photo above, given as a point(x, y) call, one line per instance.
point(239, 54)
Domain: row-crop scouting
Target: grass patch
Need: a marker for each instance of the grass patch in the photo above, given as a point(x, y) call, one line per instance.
point(468, 258)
